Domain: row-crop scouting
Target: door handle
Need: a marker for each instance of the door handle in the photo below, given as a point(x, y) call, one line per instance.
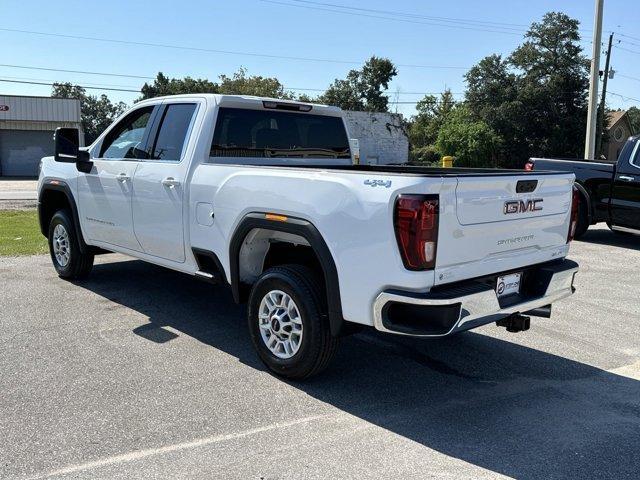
point(122, 177)
point(626, 178)
point(170, 182)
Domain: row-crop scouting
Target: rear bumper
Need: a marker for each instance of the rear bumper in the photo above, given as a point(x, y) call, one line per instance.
point(452, 308)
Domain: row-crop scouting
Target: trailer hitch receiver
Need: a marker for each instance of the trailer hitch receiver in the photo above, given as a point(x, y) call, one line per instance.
point(515, 323)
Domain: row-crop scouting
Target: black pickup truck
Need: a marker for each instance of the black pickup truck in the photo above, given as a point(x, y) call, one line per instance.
point(609, 190)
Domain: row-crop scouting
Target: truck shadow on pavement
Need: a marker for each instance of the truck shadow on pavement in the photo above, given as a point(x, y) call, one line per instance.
point(511, 409)
point(607, 237)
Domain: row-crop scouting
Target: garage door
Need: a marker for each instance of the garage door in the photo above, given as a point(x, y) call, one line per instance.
point(21, 151)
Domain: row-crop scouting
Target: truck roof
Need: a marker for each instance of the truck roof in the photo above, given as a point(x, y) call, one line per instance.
point(249, 101)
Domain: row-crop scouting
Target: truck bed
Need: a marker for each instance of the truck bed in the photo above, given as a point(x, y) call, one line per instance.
point(410, 170)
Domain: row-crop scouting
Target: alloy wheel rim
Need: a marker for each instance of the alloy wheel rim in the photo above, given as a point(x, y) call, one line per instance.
point(280, 324)
point(61, 245)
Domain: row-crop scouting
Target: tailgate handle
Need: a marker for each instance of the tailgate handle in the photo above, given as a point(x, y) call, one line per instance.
point(526, 186)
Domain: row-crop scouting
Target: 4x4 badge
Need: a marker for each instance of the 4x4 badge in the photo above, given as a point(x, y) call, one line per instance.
point(378, 183)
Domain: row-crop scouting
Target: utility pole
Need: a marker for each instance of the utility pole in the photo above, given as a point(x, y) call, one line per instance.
point(590, 140)
point(603, 97)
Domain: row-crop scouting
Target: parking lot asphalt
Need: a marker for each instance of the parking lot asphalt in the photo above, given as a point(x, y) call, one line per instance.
point(140, 372)
point(18, 193)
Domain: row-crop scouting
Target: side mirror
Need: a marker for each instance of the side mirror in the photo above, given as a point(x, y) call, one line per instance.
point(67, 141)
point(67, 149)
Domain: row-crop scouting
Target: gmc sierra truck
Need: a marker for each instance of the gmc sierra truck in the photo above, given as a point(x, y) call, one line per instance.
point(263, 195)
point(609, 191)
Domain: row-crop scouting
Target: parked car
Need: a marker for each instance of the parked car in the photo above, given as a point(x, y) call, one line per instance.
point(262, 195)
point(609, 191)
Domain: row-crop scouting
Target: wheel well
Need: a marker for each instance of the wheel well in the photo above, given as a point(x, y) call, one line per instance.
point(263, 249)
point(49, 203)
point(254, 238)
point(586, 199)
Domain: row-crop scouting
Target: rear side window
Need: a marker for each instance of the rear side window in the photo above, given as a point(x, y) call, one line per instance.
point(173, 131)
point(265, 133)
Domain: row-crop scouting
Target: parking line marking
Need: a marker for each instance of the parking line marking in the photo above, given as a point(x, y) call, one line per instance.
point(149, 452)
point(630, 371)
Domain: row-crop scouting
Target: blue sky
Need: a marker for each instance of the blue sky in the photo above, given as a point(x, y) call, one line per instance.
point(465, 32)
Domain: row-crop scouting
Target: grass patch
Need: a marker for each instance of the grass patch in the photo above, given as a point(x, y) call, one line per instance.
point(20, 233)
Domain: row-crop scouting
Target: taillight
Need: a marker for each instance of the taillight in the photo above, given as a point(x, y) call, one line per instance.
point(528, 166)
point(575, 206)
point(416, 225)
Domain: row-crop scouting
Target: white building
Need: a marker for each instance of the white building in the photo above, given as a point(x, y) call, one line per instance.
point(26, 130)
point(381, 136)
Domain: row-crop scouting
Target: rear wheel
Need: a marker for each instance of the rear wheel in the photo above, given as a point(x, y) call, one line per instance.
point(64, 247)
point(288, 323)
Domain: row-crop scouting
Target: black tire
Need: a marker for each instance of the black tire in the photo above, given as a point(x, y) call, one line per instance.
point(79, 264)
point(583, 218)
point(317, 345)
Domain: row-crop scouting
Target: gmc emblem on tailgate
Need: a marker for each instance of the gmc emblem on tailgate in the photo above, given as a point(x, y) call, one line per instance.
point(523, 206)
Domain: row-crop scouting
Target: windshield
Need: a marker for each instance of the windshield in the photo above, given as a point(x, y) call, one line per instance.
point(269, 134)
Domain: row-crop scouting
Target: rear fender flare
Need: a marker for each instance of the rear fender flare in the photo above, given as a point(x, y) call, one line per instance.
point(589, 202)
point(310, 233)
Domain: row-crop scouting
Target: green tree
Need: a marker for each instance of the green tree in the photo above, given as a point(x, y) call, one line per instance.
point(362, 89)
point(238, 84)
point(97, 113)
point(536, 98)
point(634, 119)
point(471, 141)
point(241, 84)
point(431, 115)
point(163, 85)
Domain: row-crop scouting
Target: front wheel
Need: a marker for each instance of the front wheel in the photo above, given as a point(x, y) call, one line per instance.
point(64, 247)
point(288, 323)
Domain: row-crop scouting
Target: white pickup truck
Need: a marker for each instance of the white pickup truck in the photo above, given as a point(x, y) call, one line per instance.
point(263, 195)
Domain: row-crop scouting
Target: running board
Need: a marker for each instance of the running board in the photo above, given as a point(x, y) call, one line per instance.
point(625, 229)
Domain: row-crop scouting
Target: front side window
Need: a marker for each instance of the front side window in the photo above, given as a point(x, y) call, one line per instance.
point(173, 132)
point(266, 133)
point(125, 139)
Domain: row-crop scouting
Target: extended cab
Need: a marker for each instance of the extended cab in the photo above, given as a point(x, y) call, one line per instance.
point(609, 191)
point(263, 195)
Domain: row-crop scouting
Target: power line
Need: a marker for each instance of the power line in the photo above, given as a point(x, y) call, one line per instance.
point(624, 97)
point(426, 17)
point(626, 49)
point(210, 50)
point(84, 72)
point(82, 86)
point(628, 36)
point(58, 81)
point(405, 20)
point(391, 102)
point(627, 42)
point(152, 78)
point(39, 81)
point(627, 76)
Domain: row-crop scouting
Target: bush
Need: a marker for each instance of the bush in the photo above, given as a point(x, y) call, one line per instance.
point(428, 155)
point(471, 141)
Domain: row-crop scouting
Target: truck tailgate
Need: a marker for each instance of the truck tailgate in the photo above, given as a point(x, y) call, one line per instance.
point(491, 224)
